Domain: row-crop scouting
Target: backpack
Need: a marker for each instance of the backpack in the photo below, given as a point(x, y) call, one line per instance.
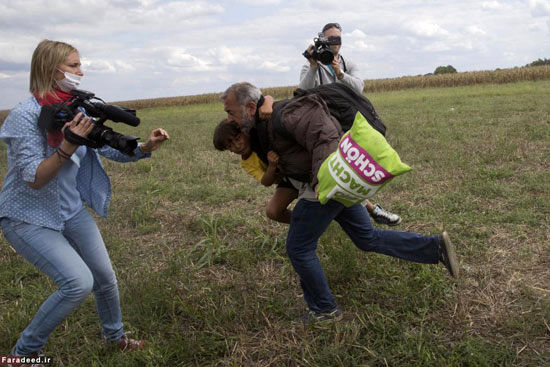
point(343, 104)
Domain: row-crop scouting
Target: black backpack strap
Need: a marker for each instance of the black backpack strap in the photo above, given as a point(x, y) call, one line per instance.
point(320, 76)
point(258, 105)
point(344, 63)
point(259, 140)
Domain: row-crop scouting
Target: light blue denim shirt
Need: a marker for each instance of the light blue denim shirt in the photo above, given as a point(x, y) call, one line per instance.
point(27, 148)
point(69, 197)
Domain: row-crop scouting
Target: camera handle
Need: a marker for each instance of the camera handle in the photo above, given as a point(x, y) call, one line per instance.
point(79, 140)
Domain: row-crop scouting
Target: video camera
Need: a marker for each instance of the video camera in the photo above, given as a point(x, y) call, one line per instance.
point(56, 115)
point(321, 49)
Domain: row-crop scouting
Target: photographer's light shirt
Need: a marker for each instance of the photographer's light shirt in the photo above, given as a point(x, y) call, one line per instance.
point(309, 77)
point(27, 148)
point(69, 197)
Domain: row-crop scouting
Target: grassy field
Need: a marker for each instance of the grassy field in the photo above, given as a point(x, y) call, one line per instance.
point(204, 276)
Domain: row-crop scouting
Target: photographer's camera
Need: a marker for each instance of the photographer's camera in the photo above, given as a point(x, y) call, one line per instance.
point(54, 117)
point(321, 49)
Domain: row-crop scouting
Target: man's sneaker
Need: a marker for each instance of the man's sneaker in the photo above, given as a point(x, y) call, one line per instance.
point(312, 317)
point(447, 254)
point(382, 216)
point(13, 357)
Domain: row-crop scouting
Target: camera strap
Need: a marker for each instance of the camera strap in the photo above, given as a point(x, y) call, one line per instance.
point(46, 119)
point(51, 103)
point(343, 63)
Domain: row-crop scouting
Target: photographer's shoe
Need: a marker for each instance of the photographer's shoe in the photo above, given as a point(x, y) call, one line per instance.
point(447, 254)
point(382, 216)
point(127, 345)
point(14, 356)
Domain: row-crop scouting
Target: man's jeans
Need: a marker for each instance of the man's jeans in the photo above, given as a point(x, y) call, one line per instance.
point(77, 261)
point(311, 218)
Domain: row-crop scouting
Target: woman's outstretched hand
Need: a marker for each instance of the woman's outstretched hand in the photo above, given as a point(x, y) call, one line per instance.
point(157, 137)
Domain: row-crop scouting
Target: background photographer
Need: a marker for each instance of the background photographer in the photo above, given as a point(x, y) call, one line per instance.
point(315, 73)
point(41, 210)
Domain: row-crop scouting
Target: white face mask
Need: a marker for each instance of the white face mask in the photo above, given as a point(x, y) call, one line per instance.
point(70, 82)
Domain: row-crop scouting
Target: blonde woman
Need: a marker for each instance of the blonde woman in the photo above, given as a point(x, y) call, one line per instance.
point(41, 203)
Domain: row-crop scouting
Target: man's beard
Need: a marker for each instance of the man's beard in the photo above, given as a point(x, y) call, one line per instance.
point(247, 122)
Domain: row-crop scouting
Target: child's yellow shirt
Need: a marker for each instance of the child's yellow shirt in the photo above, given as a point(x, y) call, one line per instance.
point(254, 166)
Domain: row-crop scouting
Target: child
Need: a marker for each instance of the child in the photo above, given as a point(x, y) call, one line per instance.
point(228, 136)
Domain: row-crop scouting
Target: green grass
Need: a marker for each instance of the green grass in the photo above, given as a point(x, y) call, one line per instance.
point(204, 276)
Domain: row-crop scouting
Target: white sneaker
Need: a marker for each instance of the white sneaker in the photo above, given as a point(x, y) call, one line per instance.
point(382, 216)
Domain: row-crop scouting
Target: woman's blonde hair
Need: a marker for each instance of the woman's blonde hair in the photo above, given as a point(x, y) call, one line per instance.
point(45, 59)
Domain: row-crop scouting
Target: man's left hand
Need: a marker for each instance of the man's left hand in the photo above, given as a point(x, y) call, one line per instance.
point(264, 113)
point(336, 67)
point(157, 137)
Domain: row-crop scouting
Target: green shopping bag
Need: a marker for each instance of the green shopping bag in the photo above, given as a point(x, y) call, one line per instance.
point(363, 163)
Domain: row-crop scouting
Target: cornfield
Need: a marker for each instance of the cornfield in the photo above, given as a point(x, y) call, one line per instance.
point(498, 76)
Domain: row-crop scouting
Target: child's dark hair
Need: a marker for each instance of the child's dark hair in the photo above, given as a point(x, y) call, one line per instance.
point(225, 131)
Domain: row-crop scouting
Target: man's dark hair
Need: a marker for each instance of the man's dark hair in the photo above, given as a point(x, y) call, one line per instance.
point(224, 131)
point(332, 25)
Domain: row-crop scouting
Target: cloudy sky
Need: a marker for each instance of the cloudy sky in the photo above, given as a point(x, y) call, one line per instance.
point(161, 48)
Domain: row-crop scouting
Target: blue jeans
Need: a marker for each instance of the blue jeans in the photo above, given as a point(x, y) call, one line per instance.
point(309, 221)
point(77, 261)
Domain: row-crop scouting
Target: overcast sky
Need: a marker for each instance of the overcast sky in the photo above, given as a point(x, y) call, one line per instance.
point(163, 48)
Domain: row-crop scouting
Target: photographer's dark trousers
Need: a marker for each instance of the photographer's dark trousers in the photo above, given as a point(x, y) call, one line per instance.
point(309, 221)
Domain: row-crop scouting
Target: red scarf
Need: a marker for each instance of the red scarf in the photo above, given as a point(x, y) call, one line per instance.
point(54, 137)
